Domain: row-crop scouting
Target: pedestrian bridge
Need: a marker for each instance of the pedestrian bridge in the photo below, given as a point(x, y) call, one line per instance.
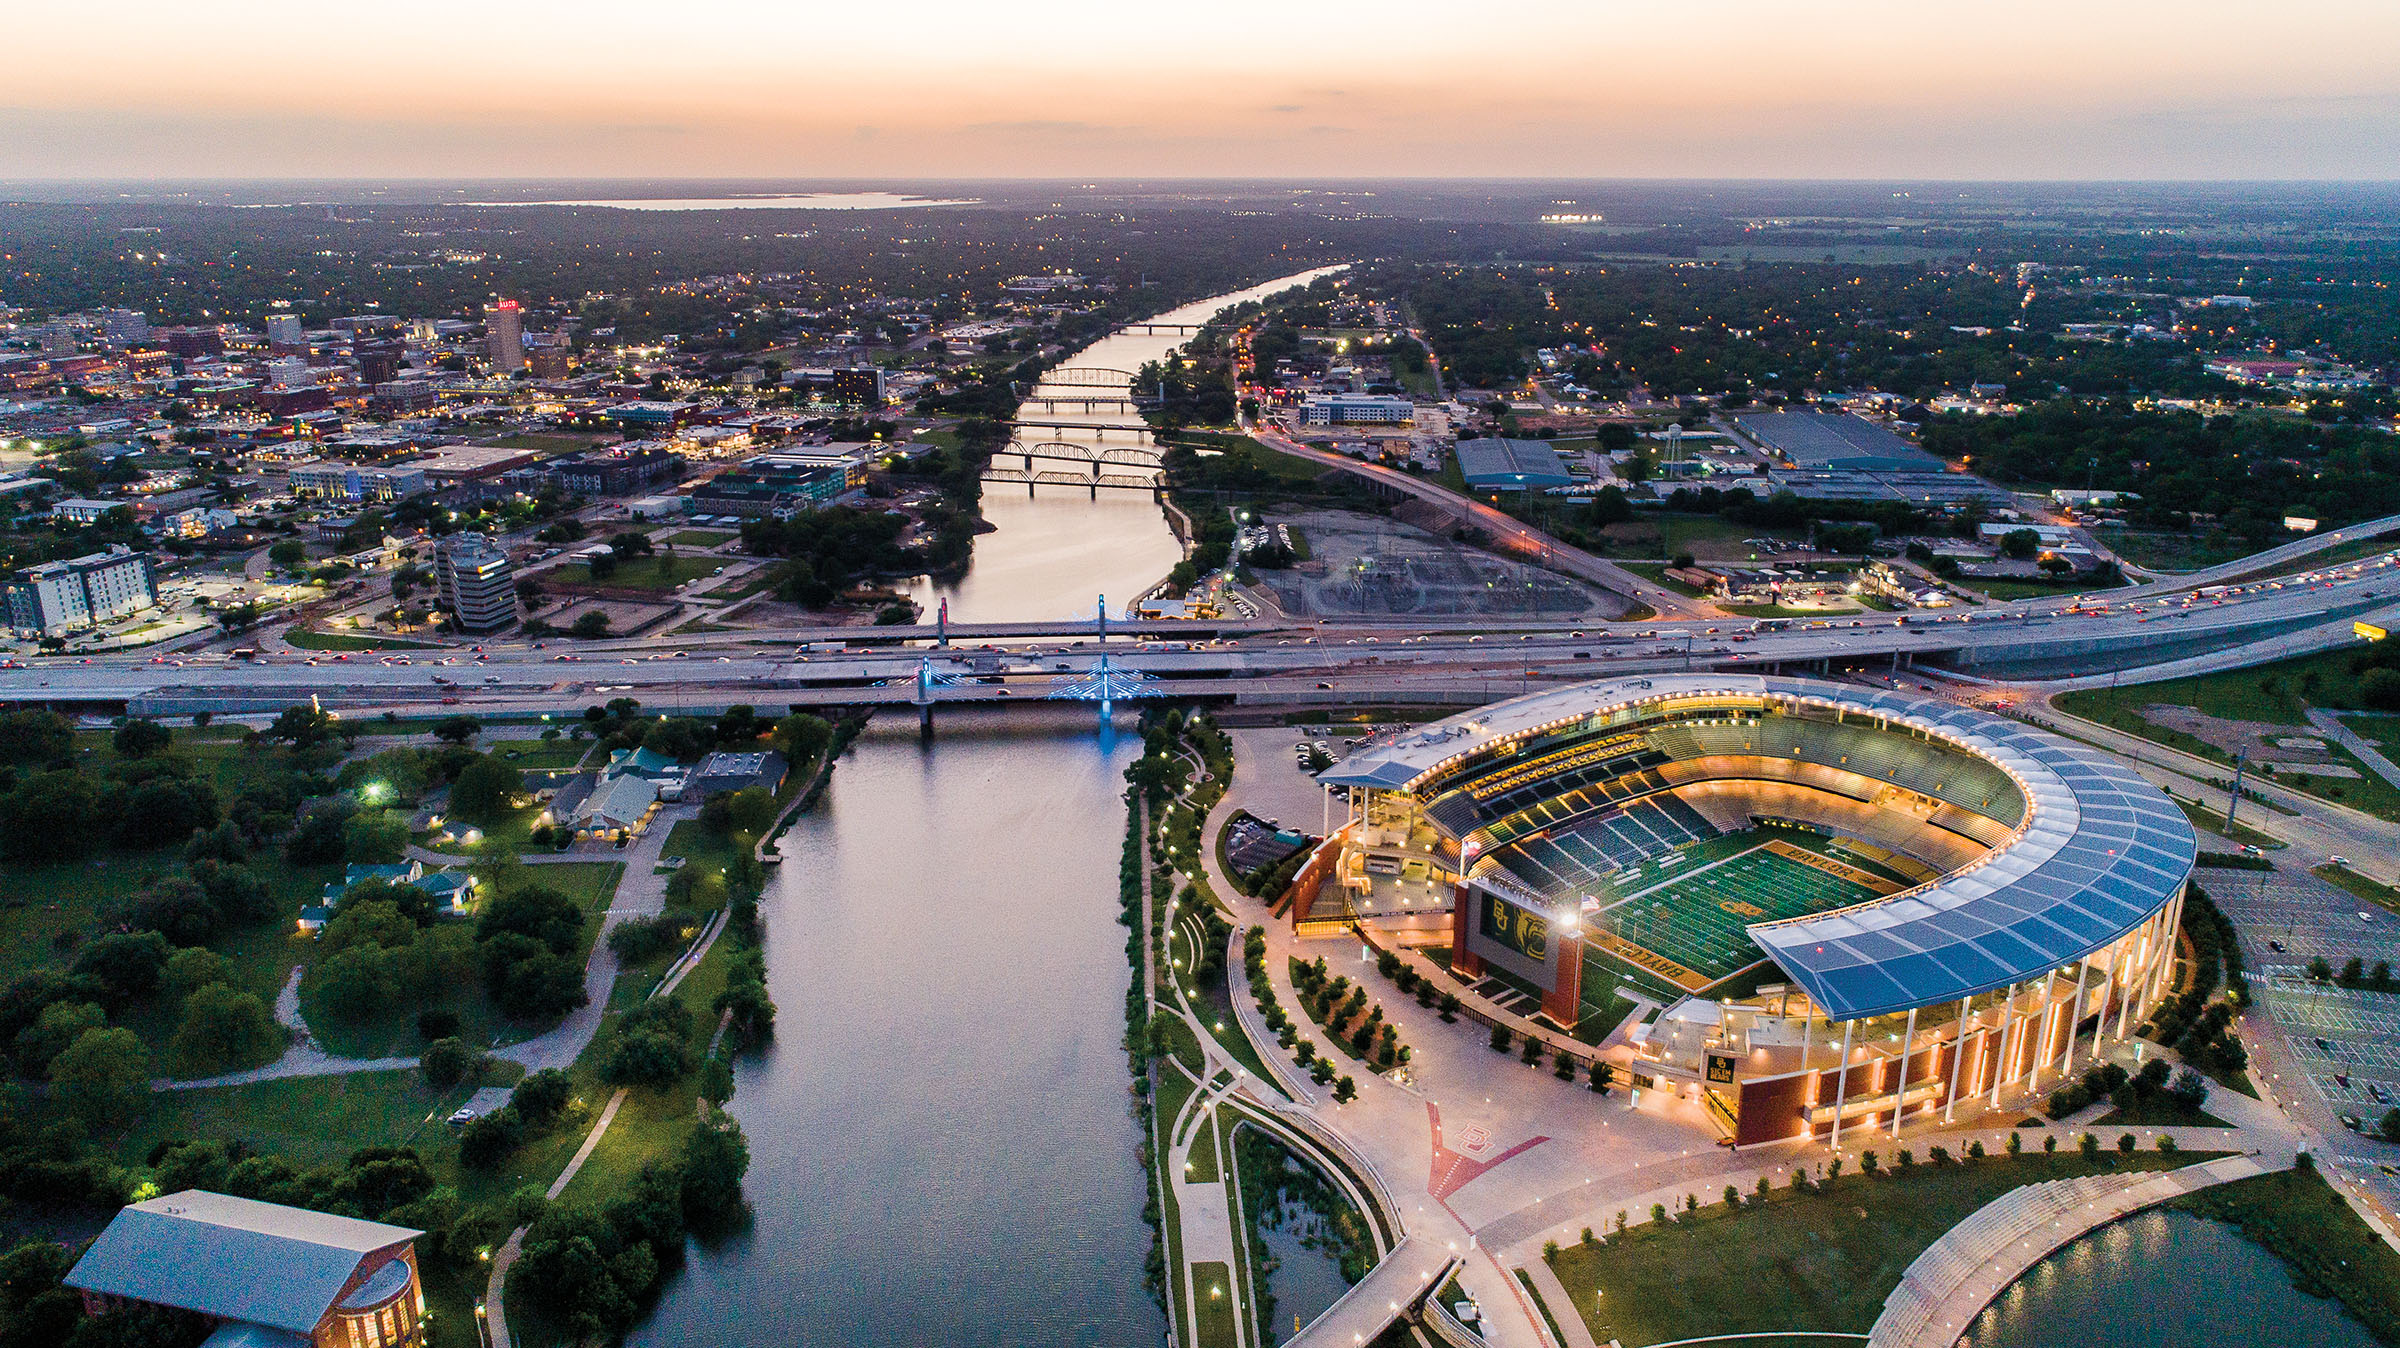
point(1390, 1291)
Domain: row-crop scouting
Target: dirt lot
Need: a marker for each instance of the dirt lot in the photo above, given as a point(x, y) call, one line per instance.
point(2289, 749)
point(1362, 565)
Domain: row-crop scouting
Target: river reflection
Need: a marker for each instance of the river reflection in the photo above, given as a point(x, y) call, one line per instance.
point(942, 1148)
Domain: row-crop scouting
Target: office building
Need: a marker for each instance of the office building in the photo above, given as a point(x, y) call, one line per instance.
point(284, 333)
point(1350, 409)
point(125, 325)
point(58, 338)
point(262, 1274)
point(477, 586)
point(504, 336)
point(350, 482)
point(62, 596)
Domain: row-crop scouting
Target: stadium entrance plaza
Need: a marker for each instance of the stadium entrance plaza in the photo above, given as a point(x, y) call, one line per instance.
point(1493, 1157)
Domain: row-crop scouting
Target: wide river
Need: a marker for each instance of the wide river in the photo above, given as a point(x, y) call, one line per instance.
point(943, 1153)
point(1055, 550)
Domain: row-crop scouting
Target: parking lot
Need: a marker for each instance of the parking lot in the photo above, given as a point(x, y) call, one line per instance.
point(2303, 914)
point(2346, 1042)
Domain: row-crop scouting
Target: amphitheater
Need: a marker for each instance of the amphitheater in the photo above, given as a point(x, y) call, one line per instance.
point(1829, 905)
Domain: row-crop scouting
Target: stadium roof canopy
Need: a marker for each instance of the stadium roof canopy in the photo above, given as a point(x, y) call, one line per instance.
point(2101, 849)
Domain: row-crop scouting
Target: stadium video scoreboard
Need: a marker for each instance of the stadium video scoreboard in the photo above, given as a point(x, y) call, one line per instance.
point(1514, 927)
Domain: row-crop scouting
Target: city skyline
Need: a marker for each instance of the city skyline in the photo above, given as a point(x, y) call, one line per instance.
point(1741, 88)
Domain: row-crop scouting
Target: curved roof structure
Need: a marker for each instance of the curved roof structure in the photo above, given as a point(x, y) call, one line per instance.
point(2099, 852)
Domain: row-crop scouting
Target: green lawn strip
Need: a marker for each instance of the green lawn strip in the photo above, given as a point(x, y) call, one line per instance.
point(2005, 590)
point(307, 1120)
point(2175, 552)
point(2212, 821)
point(1182, 1044)
point(700, 846)
point(659, 573)
point(344, 641)
point(2325, 557)
point(541, 755)
point(1525, 1280)
point(2298, 1216)
point(1213, 1312)
point(47, 911)
point(1201, 1163)
point(2359, 886)
point(1165, 1103)
point(2277, 694)
point(1211, 1002)
point(652, 1123)
point(698, 538)
point(1831, 1256)
point(2157, 1112)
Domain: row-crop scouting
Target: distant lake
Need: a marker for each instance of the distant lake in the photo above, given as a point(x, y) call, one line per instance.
point(786, 201)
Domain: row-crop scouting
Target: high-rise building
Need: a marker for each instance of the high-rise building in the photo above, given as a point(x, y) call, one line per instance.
point(553, 359)
point(61, 596)
point(58, 338)
point(378, 362)
point(285, 333)
point(504, 336)
point(126, 325)
point(477, 587)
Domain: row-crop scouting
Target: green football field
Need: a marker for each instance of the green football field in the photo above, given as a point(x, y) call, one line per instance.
point(1698, 918)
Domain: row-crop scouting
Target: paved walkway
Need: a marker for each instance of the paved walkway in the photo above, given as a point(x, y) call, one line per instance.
point(301, 1059)
point(2333, 728)
point(1957, 1276)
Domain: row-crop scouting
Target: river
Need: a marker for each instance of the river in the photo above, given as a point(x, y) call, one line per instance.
point(942, 1149)
point(2162, 1279)
point(943, 1154)
point(1054, 550)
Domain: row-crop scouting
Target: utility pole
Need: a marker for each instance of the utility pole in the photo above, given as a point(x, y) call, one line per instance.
point(2234, 802)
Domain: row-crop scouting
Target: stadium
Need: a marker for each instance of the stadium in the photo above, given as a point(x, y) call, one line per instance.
point(1831, 905)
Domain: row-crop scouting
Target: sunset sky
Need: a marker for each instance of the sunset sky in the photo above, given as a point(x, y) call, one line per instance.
point(936, 88)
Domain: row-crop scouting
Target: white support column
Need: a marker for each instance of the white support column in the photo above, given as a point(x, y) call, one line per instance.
point(2008, 1022)
point(2039, 1058)
point(1841, 1085)
point(1908, 1044)
point(1958, 1061)
point(2083, 969)
point(1325, 799)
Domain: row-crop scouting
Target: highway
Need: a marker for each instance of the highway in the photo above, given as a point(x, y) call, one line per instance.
point(2243, 625)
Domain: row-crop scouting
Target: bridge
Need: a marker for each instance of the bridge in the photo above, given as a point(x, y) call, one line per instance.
point(1131, 456)
point(1154, 329)
point(1044, 402)
point(1100, 429)
point(1087, 376)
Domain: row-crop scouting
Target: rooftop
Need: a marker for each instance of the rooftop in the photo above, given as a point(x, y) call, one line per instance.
point(232, 1258)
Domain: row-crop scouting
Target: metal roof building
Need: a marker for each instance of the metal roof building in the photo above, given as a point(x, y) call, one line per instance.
point(271, 1274)
point(2099, 852)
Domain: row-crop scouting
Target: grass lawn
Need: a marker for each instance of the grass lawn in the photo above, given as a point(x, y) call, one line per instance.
point(308, 1120)
point(2358, 885)
point(2212, 821)
point(551, 444)
point(2176, 552)
point(2279, 694)
point(1275, 462)
point(698, 538)
point(1831, 1256)
point(660, 573)
point(2297, 1215)
point(1212, 1316)
point(2005, 590)
point(699, 846)
point(542, 755)
point(344, 641)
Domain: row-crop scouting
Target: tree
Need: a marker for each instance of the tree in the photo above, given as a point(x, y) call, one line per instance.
point(367, 922)
point(192, 969)
point(541, 1096)
point(140, 738)
point(165, 812)
point(54, 1029)
point(447, 1062)
point(486, 790)
point(2020, 544)
point(302, 727)
point(35, 737)
point(224, 1029)
point(52, 816)
point(714, 1160)
point(129, 966)
point(36, 1309)
point(355, 983)
point(537, 911)
point(289, 552)
point(1345, 1091)
point(374, 838)
point(590, 624)
point(103, 1078)
point(487, 1141)
point(456, 729)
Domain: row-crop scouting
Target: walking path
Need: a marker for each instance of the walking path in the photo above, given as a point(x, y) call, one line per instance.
point(301, 1059)
point(1957, 1276)
point(2333, 728)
